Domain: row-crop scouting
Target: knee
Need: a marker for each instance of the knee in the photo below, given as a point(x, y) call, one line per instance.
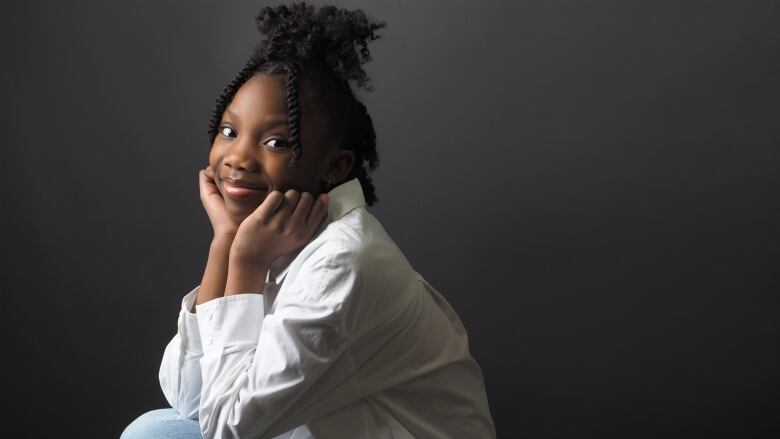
point(162, 423)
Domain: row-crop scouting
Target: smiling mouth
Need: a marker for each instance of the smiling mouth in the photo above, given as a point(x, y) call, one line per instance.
point(240, 192)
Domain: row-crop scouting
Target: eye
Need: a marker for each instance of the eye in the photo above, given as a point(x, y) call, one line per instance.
point(224, 129)
point(279, 143)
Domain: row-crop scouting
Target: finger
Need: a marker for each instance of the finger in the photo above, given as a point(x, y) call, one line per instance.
point(282, 215)
point(269, 205)
point(206, 184)
point(318, 213)
point(301, 210)
point(209, 173)
point(318, 210)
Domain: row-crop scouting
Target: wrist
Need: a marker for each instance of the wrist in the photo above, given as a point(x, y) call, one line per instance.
point(223, 239)
point(239, 257)
point(246, 274)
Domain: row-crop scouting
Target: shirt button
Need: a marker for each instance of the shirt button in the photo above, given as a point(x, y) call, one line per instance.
point(210, 340)
point(211, 316)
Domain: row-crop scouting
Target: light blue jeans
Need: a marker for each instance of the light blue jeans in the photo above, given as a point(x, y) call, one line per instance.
point(162, 424)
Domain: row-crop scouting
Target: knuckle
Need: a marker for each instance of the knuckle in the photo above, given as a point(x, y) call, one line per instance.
point(292, 234)
point(274, 196)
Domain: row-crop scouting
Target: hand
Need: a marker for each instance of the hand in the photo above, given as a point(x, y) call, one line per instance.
point(215, 205)
point(281, 224)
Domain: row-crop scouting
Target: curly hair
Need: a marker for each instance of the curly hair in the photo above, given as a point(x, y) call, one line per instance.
point(326, 48)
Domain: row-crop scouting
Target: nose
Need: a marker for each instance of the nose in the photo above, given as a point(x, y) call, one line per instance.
point(241, 155)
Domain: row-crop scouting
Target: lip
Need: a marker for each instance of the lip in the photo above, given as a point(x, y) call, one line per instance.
point(238, 190)
point(242, 183)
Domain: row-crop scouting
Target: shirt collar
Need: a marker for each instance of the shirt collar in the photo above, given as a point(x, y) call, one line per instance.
point(342, 199)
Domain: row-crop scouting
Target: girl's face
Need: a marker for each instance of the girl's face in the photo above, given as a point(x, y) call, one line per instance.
point(252, 144)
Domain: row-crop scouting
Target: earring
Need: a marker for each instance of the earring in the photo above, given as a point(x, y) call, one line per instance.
point(330, 183)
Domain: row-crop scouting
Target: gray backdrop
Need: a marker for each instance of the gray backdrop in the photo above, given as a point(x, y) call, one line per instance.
point(592, 184)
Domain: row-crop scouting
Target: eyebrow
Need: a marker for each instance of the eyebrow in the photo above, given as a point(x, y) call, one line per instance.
point(283, 120)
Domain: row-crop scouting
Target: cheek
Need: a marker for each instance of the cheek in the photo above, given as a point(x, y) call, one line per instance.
point(213, 157)
point(213, 160)
point(277, 172)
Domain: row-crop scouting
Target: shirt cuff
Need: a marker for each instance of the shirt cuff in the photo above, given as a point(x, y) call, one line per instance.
point(230, 321)
point(188, 323)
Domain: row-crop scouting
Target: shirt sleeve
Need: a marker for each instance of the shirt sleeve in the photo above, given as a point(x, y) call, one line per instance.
point(263, 375)
point(180, 373)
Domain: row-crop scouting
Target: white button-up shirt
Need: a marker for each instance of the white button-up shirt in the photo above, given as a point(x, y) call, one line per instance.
point(346, 340)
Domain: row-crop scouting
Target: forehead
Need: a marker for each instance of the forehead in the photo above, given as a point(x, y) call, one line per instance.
point(264, 96)
point(260, 96)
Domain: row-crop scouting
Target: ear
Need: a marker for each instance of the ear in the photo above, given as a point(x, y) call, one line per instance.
point(341, 163)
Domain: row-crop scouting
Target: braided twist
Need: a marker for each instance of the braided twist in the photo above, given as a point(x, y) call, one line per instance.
point(294, 113)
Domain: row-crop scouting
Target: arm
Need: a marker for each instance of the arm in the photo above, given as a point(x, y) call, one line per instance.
point(215, 275)
point(245, 275)
point(266, 374)
point(180, 372)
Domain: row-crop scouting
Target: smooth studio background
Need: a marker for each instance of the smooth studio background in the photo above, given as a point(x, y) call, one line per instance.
point(592, 184)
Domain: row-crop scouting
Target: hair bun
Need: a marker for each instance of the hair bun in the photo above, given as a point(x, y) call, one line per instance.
point(335, 36)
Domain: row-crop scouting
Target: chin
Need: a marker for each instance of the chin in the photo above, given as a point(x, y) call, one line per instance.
point(240, 213)
point(239, 217)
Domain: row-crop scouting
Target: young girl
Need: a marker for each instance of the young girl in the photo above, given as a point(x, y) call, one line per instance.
point(309, 321)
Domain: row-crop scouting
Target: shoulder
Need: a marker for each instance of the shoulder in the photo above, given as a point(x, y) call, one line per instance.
point(353, 259)
point(358, 242)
